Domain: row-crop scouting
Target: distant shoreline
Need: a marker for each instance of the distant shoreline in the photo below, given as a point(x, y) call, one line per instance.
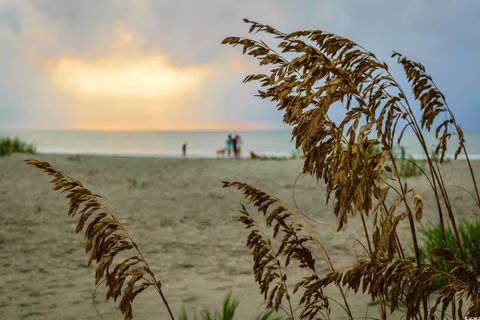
point(193, 157)
point(200, 144)
point(147, 131)
point(148, 156)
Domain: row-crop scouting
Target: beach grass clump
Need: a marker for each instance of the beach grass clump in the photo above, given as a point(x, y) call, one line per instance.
point(10, 145)
point(227, 312)
point(74, 157)
point(410, 167)
point(307, 74)
point(434, 239)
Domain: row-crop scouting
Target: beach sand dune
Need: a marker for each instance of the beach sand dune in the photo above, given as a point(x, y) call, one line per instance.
point(184, 221)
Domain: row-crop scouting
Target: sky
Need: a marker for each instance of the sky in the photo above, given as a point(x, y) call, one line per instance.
point(160, 65)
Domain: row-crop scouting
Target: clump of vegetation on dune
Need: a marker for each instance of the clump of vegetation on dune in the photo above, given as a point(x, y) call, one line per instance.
point(309, 72)
point(469, 232)
point(227, 312)
point(15, 145)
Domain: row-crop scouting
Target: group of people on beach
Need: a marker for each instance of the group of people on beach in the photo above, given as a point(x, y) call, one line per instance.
point(234, 146)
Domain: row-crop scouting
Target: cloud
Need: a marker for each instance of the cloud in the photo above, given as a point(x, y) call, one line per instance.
point(71, 56)
point(128, 88)
point(25, 98)
point(145, 91)
point(138, 76)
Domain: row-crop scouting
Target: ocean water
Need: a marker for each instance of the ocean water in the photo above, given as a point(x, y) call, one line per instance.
point(199, 143)
point(202, 144)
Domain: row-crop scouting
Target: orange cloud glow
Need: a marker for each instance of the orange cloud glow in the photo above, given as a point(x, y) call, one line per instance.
point(154, 124)
point(128, 89)
point(125, 76)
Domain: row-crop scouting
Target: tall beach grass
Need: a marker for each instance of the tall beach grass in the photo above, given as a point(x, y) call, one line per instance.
point(310, 72)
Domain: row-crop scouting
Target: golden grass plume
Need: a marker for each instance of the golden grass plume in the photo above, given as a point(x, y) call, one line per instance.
point(119, 262)
point(312, 72)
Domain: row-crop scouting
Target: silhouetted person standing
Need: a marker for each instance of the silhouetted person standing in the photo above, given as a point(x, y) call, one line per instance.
point(229, 145)
point(237, 146)
point(184, 149)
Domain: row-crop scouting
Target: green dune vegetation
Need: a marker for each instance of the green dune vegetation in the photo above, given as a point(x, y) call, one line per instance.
point(309, 72)
point(469, 235)
point(227, 312)
point(15, 145)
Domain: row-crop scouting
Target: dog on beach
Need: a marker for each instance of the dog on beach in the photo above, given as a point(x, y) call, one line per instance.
point(221, 152)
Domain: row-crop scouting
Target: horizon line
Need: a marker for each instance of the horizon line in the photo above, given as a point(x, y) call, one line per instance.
point(144, 130)
point(168, 130)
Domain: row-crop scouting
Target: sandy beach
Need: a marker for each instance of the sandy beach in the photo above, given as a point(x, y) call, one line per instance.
point(184, 221)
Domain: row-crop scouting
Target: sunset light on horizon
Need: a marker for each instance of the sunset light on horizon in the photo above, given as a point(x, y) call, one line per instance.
point(127, 89)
